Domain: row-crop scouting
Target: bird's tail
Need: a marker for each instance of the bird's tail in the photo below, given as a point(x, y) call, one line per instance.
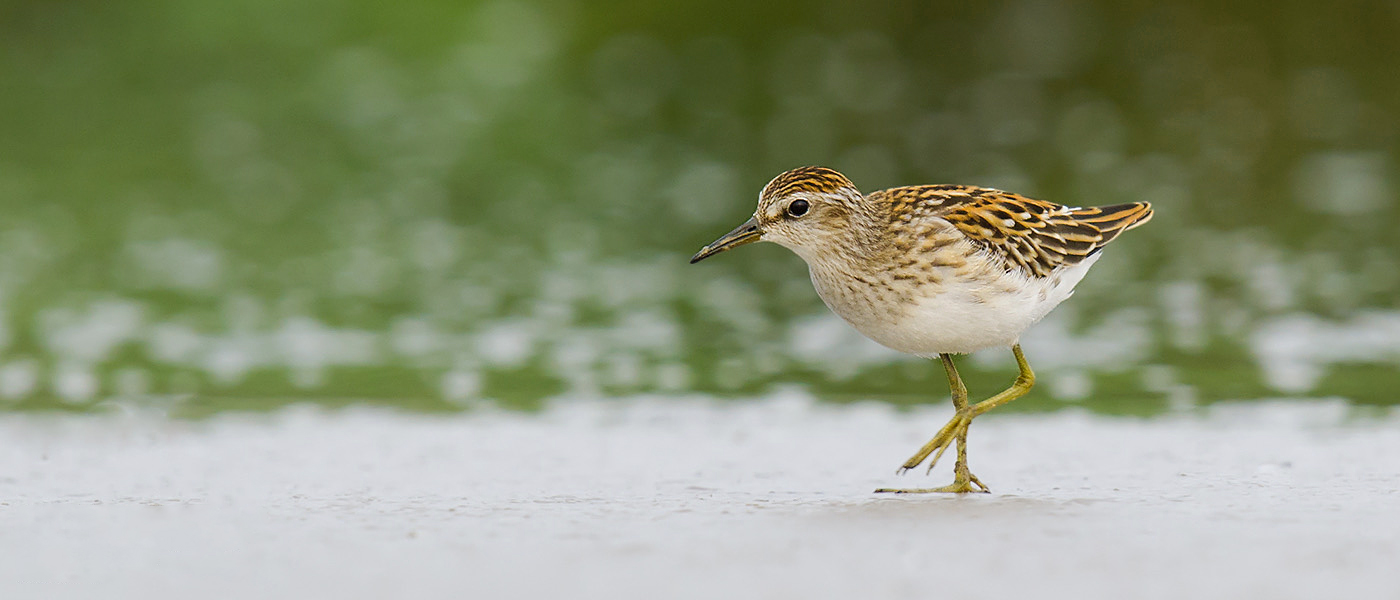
point(1113, 220)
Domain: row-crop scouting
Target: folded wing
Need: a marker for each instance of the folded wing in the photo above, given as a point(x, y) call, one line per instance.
point(1034, 236)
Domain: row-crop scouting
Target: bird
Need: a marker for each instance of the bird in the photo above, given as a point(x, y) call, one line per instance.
point(934, 271)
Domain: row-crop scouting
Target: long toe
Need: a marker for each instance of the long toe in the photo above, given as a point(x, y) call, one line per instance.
point(965, 487)
point(940, 443)
point(959, 424)
point(964, 482)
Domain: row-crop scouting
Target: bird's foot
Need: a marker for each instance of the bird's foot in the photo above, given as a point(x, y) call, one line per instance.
point(956, 429)
point(964, 482)
point(963, 479)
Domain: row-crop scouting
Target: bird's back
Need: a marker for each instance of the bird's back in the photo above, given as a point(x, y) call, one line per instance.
point(1034, 237)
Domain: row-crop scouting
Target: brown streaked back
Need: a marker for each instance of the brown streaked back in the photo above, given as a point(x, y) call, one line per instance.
point(1033, 236)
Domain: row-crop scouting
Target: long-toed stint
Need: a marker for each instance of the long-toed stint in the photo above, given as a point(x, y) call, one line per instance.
point(934, 270)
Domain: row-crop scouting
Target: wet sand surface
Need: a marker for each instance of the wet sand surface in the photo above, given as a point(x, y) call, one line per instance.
point(691, 498)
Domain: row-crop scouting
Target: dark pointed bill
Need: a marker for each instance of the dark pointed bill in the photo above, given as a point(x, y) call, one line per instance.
point(743, 234)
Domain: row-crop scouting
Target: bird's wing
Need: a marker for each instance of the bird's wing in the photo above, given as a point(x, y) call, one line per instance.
point(1034, 236)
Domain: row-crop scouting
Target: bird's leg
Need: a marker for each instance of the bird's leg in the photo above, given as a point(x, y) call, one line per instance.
point(956, 429)
point(1024, 381)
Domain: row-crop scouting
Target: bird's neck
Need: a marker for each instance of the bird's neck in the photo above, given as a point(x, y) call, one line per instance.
point(855, 250)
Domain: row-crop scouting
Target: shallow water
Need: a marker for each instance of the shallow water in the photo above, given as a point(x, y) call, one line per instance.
point(244, 204)
point(675, 497)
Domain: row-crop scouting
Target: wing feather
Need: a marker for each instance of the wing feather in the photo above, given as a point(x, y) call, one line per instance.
point(1034, 236)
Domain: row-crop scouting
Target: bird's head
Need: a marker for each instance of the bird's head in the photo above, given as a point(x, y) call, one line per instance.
point(808, 210)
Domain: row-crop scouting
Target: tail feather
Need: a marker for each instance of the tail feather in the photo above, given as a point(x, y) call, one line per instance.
point(1113, 220)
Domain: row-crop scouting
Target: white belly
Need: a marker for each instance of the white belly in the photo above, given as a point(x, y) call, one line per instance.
point(961, 317)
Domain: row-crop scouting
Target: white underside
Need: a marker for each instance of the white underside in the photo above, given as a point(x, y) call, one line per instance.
point(965, 316)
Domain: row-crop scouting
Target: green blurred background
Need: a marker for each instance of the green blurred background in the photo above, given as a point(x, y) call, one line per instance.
point(243, 204)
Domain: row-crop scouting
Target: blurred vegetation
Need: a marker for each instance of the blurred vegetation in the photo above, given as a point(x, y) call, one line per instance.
point(241, 204)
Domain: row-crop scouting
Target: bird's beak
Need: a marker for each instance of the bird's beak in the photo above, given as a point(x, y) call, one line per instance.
point(743, 234)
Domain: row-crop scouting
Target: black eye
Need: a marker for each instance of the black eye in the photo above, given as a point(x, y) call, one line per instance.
point(798, 208)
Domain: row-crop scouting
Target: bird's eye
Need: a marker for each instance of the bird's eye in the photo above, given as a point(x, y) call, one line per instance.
point(798, 208)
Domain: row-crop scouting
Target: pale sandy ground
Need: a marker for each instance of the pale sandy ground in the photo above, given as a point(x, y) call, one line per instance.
point(692, 499)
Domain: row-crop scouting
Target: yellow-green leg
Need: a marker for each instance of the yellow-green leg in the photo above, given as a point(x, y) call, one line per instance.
point(956, 429)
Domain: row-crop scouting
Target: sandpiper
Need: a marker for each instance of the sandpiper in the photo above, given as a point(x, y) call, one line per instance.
point(934, 270)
